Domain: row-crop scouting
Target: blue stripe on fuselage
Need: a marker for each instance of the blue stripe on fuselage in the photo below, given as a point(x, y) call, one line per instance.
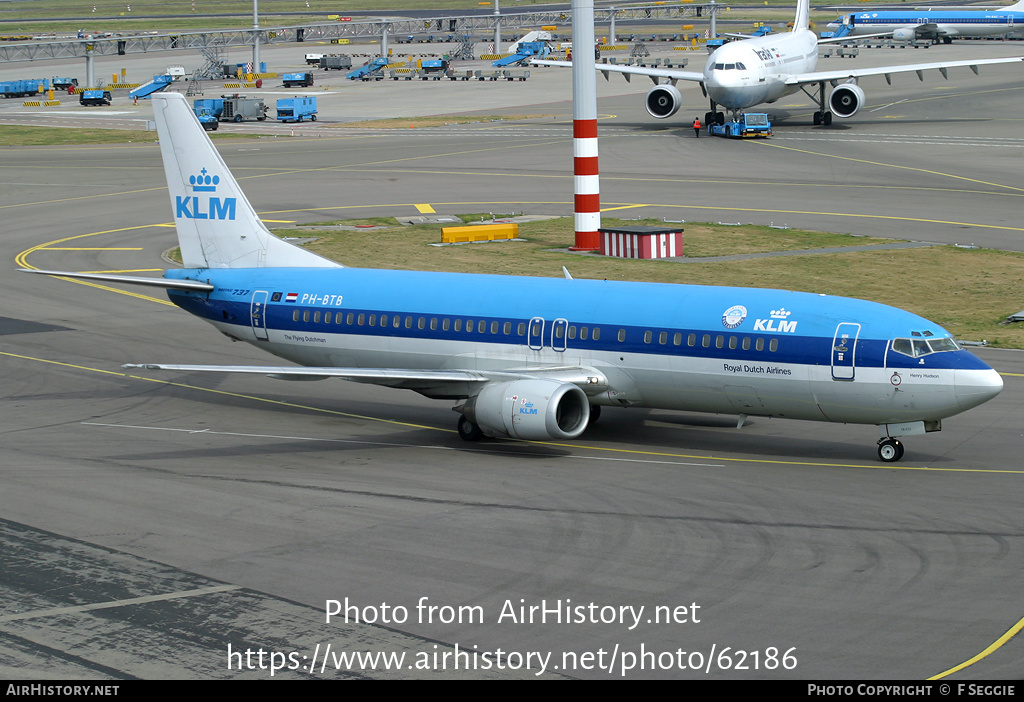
point(636, 308)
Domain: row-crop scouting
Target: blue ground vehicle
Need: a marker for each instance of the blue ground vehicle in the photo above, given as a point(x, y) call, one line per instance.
point(94, 97)
point(154, 86)
point(750, 125)
point(24, 88)
point(296, 109)
point(293, 79)
point(369, 69)
point(208, 112)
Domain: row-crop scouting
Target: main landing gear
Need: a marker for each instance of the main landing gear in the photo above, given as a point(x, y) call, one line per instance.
point(715, 116)
point(889, 450)
point(468, 431)
point(821, 115)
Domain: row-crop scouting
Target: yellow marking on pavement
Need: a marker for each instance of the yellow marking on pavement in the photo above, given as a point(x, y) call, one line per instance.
point(22, 260)
point(424, 209)
point(891, 165)
point(996, 645)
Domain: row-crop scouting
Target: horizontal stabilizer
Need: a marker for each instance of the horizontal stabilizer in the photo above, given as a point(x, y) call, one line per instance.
point(165, 283)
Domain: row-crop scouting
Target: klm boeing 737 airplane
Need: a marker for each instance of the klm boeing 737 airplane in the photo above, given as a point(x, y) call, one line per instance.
point(935, 25)
point(742, 74)
point(536, 358)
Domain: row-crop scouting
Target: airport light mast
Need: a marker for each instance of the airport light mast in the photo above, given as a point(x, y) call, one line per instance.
point(587, 196)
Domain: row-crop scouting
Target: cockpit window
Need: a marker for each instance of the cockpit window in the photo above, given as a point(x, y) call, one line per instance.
point(719, 66)
point(741, 67)
point(921, 347)
point(946, 344)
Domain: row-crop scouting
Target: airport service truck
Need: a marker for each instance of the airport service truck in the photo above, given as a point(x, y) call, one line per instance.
point(296, 109)
point(297, 79)
point(208, 112)
point(94, 97)
point(336, 62)
point(238, 108)
point(748, 126)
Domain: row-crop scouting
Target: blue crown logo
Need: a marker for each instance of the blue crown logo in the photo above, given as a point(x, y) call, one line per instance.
point(204, 183)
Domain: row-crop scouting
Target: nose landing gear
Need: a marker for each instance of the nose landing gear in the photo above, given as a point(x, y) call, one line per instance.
point(889, 450)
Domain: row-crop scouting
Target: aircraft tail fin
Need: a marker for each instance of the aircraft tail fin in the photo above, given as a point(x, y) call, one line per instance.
point(803, 15)
point(217, 227)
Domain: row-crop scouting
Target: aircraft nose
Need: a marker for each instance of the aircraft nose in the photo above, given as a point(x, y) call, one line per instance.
point(975, 387)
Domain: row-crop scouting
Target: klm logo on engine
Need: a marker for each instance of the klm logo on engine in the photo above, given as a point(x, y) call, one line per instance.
point(204, 206)
point(778, 323)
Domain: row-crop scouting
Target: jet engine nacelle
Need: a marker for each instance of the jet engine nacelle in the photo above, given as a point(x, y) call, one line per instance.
point(535, 409)
point(846, 100)
point(663, 100)
point(904, 34)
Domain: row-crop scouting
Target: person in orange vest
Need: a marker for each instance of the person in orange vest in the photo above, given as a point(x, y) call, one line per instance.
point(696, 127)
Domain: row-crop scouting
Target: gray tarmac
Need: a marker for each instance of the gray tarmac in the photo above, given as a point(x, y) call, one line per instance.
point(174, 526)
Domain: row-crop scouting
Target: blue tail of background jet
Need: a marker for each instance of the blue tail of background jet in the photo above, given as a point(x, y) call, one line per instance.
point(217, 227)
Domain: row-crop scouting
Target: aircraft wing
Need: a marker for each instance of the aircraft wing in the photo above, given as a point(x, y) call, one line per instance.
point(655, 74)
point(887, 71)
point(852, 39)
point(448, 383)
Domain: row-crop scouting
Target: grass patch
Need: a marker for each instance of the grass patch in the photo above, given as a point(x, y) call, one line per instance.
point(165, 15)
point(17, 135)
point(432, 121)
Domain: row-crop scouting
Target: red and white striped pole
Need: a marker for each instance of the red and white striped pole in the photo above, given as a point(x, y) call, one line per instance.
point(587, 193)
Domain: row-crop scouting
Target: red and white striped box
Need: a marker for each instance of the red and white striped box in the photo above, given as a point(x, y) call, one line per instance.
point(641, 242)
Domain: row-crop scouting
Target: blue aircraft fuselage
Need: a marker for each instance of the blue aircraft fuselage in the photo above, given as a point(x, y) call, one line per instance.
point(687, 347)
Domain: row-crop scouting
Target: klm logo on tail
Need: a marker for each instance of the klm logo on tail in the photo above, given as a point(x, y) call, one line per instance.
point(204, 207)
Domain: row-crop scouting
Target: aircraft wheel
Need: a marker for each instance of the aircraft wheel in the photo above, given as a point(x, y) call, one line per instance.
point(890, 450)
point(817, 118)
point(826, 118)
point(469, 431)
point(709, 118)
point(719, 118)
